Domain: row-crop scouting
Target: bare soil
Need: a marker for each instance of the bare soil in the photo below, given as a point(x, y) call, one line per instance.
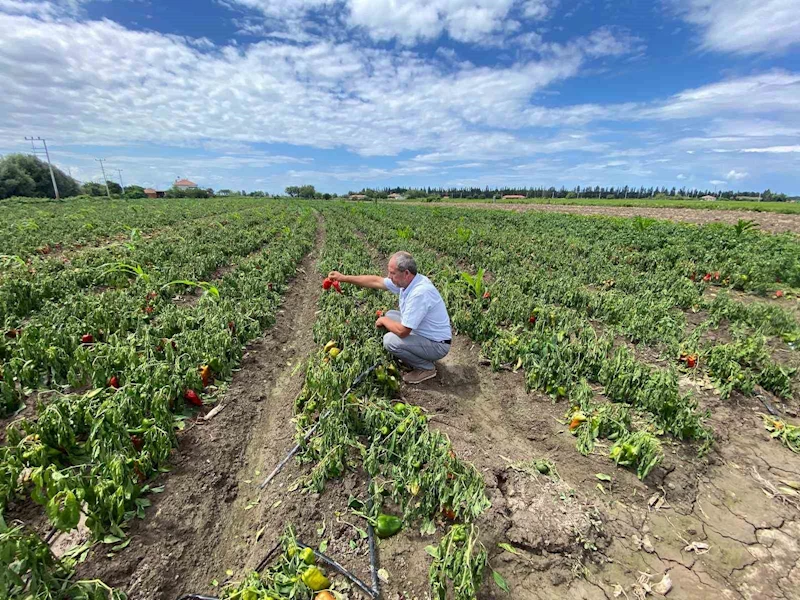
point(772, 222)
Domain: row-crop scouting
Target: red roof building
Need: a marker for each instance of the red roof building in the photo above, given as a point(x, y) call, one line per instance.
point(185, 184)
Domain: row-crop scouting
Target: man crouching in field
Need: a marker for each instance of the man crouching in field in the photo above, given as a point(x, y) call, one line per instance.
point(419, 333)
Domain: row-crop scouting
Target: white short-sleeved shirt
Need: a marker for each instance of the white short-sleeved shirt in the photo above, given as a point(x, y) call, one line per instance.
point(422, 308)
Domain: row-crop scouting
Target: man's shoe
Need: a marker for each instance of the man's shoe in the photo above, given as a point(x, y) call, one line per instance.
point(418, 376)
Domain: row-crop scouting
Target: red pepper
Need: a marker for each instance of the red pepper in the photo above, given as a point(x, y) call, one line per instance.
point(87, 338)
point(327, 283)
point(137, 442)
point(337, 286)
point(378, 313)
point(486, 295)
point(192, 398)
point(707, 277)
point(532, 319)
point(691, 361)
point(113, 382)
point(449, 513)
point(779, 294)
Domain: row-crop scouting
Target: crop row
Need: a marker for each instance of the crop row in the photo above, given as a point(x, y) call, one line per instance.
point(49, 348)
point(519, 321)
point(191, 252)
point(413, 470)
point(92, 452)
point(43, 227)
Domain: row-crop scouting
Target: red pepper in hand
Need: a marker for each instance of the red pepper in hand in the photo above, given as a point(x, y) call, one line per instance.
point(328, 283)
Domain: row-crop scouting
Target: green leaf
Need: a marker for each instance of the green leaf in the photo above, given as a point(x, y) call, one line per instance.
point(64, 510)
point(508, 548)
point(603, 477)
point(501, 583)
point(323, 545)
point(119, 547)
point(433, 551)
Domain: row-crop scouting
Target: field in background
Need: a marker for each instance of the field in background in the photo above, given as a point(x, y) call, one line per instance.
point(777, 207)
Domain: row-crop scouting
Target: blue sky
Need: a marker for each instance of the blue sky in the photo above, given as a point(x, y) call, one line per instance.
point(345, 94)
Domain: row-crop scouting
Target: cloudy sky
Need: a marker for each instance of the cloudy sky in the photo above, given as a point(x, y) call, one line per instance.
point(343, 94)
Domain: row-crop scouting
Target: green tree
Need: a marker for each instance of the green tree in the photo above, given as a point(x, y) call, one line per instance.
point(134, 191)
point(17, 171)
point(292, 191)
point(92, 188)
point(114, 187)
point(15, 181)
point(307, 191)
point(175, 192)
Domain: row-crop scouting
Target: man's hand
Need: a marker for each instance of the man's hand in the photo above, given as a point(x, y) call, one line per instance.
point(379, 322)
point(335, 276)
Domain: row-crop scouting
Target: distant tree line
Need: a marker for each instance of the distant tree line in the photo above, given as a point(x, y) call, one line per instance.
point(612, 192)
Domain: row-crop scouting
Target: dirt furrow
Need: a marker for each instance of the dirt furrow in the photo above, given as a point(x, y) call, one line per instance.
point(203, 523)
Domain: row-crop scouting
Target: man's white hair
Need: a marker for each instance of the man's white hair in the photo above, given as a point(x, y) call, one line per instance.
point(405, 262)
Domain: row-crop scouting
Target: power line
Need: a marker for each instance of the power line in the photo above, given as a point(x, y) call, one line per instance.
point(101, 161)
point(47, 154)
point(119, 172)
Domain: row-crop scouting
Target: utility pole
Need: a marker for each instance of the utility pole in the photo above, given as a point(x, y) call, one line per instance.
point(47, 154)
point(119, 172)
point(101, 160)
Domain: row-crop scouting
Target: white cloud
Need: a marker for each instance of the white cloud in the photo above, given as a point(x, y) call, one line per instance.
point(681, 177)
point(324, 94)
point(771, 92)
point(538, 9)
point(607, 42)
point(744, 26)
point(410, 21)
point(734, 175)
point(772, 150)
point(718, 182)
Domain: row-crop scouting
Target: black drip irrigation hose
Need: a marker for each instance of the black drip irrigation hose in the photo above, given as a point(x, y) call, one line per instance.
point(342, 571)
point(373, 592)
point(373, 550)
point(311, 431)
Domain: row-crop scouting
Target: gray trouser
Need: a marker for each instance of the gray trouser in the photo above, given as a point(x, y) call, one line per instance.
point(414, 350)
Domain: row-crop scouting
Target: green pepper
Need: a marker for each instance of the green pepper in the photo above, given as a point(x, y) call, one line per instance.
point(315, 579)
point(388, 525)
point(308, 556)
point(399, 408)
point(459, 533)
